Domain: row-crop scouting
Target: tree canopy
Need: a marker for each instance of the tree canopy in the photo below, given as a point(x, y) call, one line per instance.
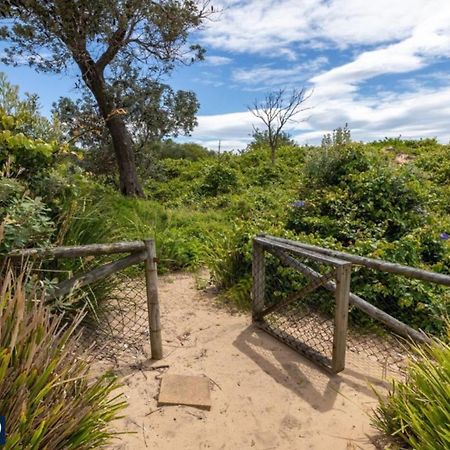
point(117, 45)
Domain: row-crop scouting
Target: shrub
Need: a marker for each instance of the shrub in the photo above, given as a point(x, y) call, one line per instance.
point(416, 412)
point(25, 221)
point(219, 180)
point(327, 166)
point(168, 149)
point(339, 137)
point(44, 389)
point(382, 202)
point(26, 156)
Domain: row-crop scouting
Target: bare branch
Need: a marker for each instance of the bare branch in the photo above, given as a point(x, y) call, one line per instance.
point(277, 110)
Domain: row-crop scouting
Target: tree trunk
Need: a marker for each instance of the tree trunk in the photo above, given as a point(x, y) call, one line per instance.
point(272, 144)
point(121, 138)
point(273, 150)
point(123, 149)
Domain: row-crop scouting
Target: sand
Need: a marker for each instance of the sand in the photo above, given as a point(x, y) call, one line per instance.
point(264, 395)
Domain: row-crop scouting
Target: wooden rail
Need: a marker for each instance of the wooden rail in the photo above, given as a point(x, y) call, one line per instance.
point(80, 250)
point(99, 273)
point(139, 251)
point(286, 251)
point(378, 264)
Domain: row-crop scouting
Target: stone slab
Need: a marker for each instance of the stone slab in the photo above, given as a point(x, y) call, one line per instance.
point(185, 390)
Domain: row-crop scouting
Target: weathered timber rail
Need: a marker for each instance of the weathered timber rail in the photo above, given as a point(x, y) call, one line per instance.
point(378, 264)
point(287, 252)
point(139, 251)
point(79, 250)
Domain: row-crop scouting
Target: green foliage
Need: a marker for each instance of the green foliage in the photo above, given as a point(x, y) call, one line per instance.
point(416, 412)
point(168, 149)
point(327, 166)
point(434, 161)
point(338, 138)
point(45, 393)
point(261, 140)
point(25, 222)
point(24, 217)
point(384, 203)
point(152, 109)
point(219, 179)
point(25, 157)
point(25, 111)
point(110, 217)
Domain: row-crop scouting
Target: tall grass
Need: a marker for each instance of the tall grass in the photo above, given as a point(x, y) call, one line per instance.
point(45, 392)
point(416, 414)
point(179, 233)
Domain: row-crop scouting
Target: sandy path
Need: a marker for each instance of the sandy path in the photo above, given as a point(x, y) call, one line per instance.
point(264, 395)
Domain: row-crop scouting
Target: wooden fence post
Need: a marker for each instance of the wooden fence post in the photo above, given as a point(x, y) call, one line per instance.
point(343, 275)
point(151, 278)
point(258, 275)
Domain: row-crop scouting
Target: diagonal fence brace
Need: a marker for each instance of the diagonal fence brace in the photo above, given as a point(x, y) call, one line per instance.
point(312, 286)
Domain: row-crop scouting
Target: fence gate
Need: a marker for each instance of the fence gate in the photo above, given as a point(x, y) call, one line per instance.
point(313, 327)
point(125, 316)
point(301, 295)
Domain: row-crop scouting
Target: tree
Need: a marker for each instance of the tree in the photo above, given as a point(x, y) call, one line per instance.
point(109, 41)
point(276, 111)
point(153, 111)
point(261, 139)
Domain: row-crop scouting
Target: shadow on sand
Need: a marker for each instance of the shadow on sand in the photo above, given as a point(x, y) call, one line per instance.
point(305, 379)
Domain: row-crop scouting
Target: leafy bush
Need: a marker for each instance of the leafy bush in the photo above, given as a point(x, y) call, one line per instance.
point(25, 222)
point(219, 180)
point(44, 389)
point(25, 111)
point(168, 149)
point(339, 137)
point(24, 217)
point(327, 166)
point(416, 412)
point(383, 202)
point(26, 157)
point(261, 140)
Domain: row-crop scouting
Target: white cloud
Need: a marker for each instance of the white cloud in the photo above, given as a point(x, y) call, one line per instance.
point(404, 36)
point(273, 26)
point(225, 126)
point(269, 75)
point(412, 115)
point(428, 40)
point(216, 60)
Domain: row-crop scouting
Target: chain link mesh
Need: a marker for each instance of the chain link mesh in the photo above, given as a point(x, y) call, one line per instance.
point(116, 323)
point(121, 330)
point(307, 323)
point(302, 317)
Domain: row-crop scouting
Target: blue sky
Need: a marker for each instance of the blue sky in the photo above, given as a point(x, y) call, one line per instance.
point(383, 67)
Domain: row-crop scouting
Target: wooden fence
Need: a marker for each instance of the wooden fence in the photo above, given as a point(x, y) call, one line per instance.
point(288, 253)
point(138, 252)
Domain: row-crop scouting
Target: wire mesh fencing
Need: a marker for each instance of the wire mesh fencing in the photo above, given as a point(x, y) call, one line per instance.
point(119, 330)
point(295, 298)
point(117, 295)
point(298, 310)
point(305, 322)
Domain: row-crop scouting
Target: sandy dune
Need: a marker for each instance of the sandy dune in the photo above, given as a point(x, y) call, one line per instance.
point(264, 395)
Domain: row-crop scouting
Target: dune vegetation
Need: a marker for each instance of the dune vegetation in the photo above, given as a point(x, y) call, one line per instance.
point(386, 199)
